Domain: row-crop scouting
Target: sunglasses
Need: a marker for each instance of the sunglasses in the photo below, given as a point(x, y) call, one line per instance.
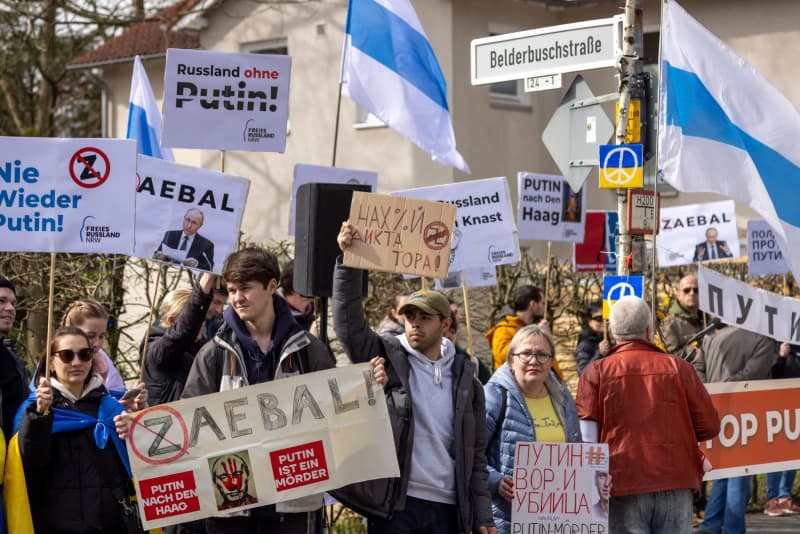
point(67, 355)
point(598, 318)
point(688, 290)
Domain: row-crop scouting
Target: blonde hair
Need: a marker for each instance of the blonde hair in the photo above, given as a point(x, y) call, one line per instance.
point(173, 304)
point(80, 310)
point(523, 334)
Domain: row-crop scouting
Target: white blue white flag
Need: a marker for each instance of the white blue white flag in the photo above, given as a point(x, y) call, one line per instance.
point(144, 119)
point(725, 129)
point(390, 69)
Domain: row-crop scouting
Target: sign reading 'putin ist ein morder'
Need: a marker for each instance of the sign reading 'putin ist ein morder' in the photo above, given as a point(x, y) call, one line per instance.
point(222, 100)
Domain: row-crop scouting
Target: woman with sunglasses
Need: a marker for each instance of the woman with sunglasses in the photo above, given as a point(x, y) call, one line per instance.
point(525, 401)
point(76, 480)
point(593, 343)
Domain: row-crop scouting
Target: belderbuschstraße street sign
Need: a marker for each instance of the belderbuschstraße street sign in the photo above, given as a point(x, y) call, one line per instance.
point(572, 47)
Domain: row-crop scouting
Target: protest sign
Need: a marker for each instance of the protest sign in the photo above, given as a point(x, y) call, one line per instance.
point(753, 309)
point(615, 287)
point(225, 100)
point(760, 428)
point(763, 254)
point(474, 277)
point(306, 174)
point(560, 487)
point(484, 233)
point(400, 235)
point(174, 202)
point(67, 195)
point(697, 232)
point(548, 209)
point(259, 445)
point(598, 251)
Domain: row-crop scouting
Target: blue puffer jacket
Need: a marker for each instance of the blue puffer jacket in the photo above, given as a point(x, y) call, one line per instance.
point(517, 426)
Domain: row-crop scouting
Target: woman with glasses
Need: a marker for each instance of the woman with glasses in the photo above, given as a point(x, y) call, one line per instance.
point(525, 401)
point(70, 441)
point(593, 343)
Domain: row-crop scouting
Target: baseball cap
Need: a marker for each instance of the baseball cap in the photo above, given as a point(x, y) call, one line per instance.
point(431, 302)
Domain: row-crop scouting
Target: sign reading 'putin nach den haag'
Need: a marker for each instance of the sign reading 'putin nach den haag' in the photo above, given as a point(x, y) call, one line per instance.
point(621, 166)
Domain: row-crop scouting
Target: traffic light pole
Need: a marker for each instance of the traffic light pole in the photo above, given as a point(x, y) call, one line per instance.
point(629, 65)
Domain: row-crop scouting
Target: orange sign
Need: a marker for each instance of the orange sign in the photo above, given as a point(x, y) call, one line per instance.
point(760, 428)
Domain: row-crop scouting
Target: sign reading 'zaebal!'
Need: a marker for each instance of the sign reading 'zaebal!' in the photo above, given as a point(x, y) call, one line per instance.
point(222, 100)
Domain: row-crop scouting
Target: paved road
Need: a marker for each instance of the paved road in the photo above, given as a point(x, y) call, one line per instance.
point(764, 524)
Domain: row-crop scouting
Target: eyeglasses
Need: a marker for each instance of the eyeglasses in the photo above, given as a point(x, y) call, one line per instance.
point(597, 318)
point(527, 356)
point(67, 355)
point(688, 290)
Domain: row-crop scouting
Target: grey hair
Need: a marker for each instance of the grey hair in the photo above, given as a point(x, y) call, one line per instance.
point(526, 332)
point(629, 319)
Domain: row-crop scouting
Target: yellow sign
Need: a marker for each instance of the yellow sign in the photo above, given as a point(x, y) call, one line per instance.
point(633, 134)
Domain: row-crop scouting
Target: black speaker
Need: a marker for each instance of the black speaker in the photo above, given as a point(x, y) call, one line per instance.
point(320, 211)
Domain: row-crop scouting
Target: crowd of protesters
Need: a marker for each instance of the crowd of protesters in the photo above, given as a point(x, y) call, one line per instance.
point(455, 421)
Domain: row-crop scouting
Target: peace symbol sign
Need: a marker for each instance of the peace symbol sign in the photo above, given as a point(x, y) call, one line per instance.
point(615, 171)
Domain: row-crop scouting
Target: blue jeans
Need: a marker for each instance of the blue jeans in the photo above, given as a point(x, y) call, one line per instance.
point(659, 512)
point(726, 506)
point(780, 484)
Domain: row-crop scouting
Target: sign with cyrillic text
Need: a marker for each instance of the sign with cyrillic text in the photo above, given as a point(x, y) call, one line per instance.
point(739, 304)
point(485, 232)
point(186, 215)
point(548, 209)
point(399, 234)
point(67, 195)
point(259, 445)
point(560, 487)
point(764, 256)
point(760, 429)
point(226, 100)
point(697, 232)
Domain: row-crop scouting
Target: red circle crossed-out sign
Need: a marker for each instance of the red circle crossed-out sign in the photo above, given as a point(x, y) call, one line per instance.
point(89, 167)
point(153, 426)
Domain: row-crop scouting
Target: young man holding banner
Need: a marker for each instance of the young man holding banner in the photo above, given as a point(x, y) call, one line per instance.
point(436, 406)
point(259, 342)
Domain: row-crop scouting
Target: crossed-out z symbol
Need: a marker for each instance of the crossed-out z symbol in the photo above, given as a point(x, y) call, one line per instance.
point(155, 447)
point(88, 167)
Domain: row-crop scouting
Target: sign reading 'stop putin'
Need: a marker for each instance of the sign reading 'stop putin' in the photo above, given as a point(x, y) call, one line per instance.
point(222, 100)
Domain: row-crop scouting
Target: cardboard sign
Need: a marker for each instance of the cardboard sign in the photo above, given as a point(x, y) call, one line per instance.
point(764, 256)
point(259, 445)
point(560, 487)
point(67, 195)
point(748, 307)
point(686, 233)
point(548, 209)
point(484, 232)
point(224, 100)
point(400, 235)
point(760, 432)
point(598, 251)
point(173, 199)
point(307, 174)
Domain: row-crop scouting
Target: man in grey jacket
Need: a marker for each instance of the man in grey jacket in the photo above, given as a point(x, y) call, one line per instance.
point(436, 407)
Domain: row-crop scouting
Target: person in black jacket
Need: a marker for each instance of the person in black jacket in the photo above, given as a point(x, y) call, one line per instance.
point(73, 484)
point(592, 344)
point(13, 374)
point(173, 344)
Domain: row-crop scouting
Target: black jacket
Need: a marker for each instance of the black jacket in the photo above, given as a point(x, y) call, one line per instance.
point(13, 388)
point(788, 367)
point(171, 352)
point(588, 349)
point(202, 249)
point(73, 486)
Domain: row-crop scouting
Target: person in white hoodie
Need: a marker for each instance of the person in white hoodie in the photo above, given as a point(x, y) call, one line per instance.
point(436, 407)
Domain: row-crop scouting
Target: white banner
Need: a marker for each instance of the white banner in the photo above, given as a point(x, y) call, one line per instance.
point(741, 305)
point(225, 100)
point(307, 174)
point(484, 233)
point(764, 256)
point(67, 195)
point(186, 215)
point(697, 232)
point(560, 487)
point(473, 277)
point(548, 209)
point(259, 445)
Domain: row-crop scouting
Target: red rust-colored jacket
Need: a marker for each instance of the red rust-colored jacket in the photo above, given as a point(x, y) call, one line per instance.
point(652, 410)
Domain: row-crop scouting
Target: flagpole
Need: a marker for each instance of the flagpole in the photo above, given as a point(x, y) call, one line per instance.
point(336, 126)
point(466, 313)
point(50, 299)
point(547, 278)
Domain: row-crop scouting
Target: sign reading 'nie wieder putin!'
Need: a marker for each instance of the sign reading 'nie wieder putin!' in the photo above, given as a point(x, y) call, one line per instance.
point(222, 100)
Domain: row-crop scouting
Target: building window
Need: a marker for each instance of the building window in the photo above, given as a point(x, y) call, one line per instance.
point(509, 94)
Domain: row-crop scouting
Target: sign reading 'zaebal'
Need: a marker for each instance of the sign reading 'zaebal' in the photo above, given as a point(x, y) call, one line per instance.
point(67, 195)
point(258, 445)
point(224, 100)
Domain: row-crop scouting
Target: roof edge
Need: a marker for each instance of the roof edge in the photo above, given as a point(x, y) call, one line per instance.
point(116, 61)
